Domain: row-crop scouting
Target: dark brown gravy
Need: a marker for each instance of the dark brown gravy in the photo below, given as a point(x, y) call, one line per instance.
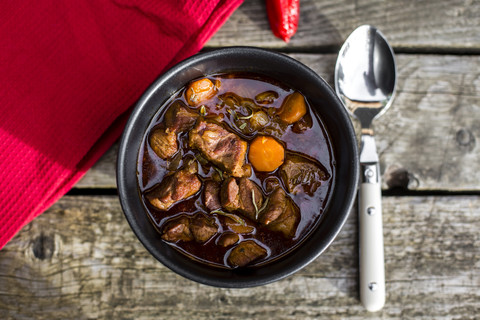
point(314, 142)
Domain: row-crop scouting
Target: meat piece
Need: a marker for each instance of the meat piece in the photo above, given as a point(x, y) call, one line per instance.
point(178, 118)
point(287, 222)
point(239, 197)
point(277, 202)
point(199, 228)
point(221, 147)
point(303, 124)
point(245, 253)
point(250, 198)
point(302, 174)
point(202, 227)
point(163, 139)
point(174, 188)
point(163, 143)
point(177, 230)
point(227, 239)
point(281, 214)
point(229, 194)
point(211, 195)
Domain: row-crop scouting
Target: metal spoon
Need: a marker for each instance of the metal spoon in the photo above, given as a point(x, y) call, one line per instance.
point(365, 77)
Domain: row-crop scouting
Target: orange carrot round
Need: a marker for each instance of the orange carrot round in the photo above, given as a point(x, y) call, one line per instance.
point(266, 154)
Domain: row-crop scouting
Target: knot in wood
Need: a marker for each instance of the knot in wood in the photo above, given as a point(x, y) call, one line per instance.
point(399, 178)
point(43, 247)
point(465, 138)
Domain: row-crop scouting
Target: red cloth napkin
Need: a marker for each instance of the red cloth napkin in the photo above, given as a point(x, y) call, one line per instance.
point(69, 72)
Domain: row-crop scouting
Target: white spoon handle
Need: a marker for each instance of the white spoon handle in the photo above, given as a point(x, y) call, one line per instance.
point(372, 269)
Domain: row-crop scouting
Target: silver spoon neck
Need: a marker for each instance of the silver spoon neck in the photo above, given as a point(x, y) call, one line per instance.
point(368, 153)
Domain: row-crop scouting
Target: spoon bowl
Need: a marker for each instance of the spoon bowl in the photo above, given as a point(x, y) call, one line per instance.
point(365, 74)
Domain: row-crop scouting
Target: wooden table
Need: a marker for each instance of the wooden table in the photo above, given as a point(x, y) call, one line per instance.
point(80, 260)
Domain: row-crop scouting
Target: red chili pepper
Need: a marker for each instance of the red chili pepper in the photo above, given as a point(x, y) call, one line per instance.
point(283, 16)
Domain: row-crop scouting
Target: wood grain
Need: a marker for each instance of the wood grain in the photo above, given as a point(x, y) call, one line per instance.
point(410, 24)
point(102, 173)
point(427, 140)
point(80, 260)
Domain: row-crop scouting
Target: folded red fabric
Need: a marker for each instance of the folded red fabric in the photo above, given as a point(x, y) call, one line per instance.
point(69, 73)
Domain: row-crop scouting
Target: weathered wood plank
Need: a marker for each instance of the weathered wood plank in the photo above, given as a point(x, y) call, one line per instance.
point(80, 260)
point(102, 174)
point(440, 24)
point(427, 140)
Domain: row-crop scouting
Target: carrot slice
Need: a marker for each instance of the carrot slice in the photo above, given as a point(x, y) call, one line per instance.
point(266, 154)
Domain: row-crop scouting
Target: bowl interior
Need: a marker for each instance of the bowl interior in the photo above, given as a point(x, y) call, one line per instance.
point(274, 65)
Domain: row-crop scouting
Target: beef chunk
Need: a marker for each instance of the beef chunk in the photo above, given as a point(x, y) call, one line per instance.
point(199, 228)
point(245, 253)
point(302, 174)
point(249, 191)
point(202, 227)
point(229, 194)
point(281, 214)
point(303, 124)
point(178, 118)
point(227, 239)
point(221, 147)
point(277, 202)
point(211, 195)
point(174, 188)
point(287, 222)
point(163, 143)
point(239, 197)
point(163, 138)
point(177, 230)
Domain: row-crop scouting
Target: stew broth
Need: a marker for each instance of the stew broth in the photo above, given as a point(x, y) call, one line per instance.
point(237, 99)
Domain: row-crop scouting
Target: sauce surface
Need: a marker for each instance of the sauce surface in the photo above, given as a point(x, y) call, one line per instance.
point(311, 143)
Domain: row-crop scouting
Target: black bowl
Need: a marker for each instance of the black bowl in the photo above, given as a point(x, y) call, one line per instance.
point(274, 65)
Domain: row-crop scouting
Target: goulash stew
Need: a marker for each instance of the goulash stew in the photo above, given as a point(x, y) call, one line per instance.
point(236, 170)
